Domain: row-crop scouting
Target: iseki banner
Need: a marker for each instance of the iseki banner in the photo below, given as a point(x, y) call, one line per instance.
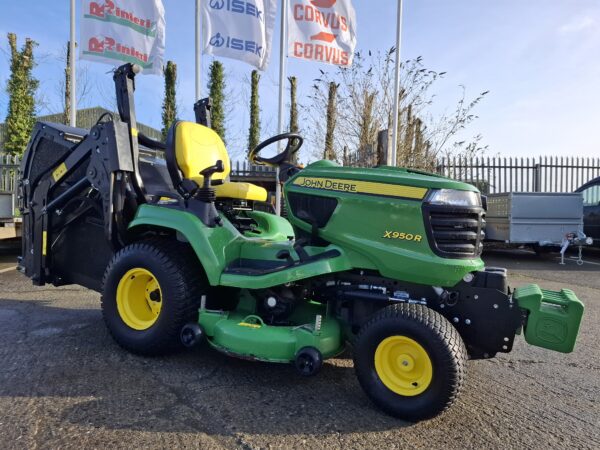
point(239, 29)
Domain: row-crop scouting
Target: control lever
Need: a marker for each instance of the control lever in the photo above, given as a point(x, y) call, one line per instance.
point(299, 248)
point(209, 171)
point(314, 226)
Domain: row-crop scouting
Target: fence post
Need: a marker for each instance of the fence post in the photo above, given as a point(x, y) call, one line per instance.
point(383, 154)
point(537, 178)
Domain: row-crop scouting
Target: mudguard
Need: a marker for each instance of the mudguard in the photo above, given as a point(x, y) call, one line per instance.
point(224, 253)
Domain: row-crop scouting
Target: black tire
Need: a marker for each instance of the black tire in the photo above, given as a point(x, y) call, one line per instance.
point(444, 347)
point(182, 283)
point(309, 361)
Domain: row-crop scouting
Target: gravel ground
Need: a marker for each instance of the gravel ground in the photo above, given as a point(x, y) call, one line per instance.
point(65, 383)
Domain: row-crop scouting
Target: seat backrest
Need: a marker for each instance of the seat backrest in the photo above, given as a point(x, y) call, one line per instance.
point(196, 148)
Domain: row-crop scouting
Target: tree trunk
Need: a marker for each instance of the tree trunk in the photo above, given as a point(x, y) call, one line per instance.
point(329, 152)
point(293, 111)
point(68, 87)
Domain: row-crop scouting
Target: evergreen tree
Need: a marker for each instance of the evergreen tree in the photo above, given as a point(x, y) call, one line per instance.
point(169, 107)
point(254, 131)
point(329, 152)
point(216, 88)
point(21, 88)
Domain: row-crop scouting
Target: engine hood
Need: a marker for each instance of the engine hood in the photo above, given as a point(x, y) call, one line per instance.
point(329, 175)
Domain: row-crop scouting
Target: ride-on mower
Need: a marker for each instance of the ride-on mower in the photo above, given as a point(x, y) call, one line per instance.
point(384, 259)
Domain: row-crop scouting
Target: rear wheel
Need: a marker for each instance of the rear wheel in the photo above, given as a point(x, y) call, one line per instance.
point(150, 291)
point(410, 361)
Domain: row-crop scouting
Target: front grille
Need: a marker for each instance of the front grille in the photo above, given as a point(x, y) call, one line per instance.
point(455, 232)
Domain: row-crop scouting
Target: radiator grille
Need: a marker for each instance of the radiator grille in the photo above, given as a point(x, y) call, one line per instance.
point(456, 232)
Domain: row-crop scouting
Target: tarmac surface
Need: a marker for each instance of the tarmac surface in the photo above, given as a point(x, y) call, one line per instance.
point(65, 383)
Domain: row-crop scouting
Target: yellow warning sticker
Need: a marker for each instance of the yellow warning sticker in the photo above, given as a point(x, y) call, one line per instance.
point(59, 172)
point(249, 325)
point(44, 242)
point(362, 187)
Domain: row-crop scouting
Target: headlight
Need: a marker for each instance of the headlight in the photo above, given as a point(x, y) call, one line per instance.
point(452, 197)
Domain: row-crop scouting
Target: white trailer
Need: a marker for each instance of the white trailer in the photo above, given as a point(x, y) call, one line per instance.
point(544, 221)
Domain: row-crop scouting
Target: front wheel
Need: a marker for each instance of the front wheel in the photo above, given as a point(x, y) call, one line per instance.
point(410, 361)
point(150, 291)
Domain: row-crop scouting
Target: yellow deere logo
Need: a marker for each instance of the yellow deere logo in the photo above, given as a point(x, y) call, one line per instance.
point(362, 187)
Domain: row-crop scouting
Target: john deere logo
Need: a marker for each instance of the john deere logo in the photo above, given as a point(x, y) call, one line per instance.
point(217, 40)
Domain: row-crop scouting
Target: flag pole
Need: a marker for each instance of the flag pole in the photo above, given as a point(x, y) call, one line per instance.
point(198, 41)
point(396, 108)
point(72, 94)
point(282, 72)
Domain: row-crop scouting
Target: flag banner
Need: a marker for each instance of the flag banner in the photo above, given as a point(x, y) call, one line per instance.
point(239, 29)
point(322, 30)
point(121, 31)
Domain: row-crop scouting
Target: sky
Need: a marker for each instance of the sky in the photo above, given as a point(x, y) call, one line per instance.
point(540, 60)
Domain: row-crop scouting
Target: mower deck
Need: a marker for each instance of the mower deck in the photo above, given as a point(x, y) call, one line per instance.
point(244, 334)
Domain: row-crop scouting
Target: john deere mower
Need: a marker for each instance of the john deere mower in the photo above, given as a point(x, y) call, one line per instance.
point(383, 260)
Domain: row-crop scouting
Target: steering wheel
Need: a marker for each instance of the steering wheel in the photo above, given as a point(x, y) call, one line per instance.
point(294, 143)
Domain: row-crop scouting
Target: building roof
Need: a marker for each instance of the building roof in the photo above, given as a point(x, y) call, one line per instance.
point(86, 118)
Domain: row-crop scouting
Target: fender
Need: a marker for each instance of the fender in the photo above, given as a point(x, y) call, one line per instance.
point(270, 226)
point(215, 247)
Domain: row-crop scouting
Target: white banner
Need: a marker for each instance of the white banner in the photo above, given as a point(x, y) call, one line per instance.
point(120, 31)
point(322, 30)
point(239, 29)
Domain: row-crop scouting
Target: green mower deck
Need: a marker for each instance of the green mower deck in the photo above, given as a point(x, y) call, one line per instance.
point(244, 334)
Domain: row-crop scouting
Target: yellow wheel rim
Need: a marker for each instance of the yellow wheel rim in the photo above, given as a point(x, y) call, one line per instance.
point(403, 366)
point(139, 299)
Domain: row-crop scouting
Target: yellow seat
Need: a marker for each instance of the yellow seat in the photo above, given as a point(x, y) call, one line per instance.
point(198, 147)
point(246, 191)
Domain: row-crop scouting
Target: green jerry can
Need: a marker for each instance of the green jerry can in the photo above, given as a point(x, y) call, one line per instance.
point(554, 317)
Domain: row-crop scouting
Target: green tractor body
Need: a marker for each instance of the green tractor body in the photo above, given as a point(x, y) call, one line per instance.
point(384, 259)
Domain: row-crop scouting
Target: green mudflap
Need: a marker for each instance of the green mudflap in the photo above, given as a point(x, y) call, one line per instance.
point(554, 317)
point(242, 333)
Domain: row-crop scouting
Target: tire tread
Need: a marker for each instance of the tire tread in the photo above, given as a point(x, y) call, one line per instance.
point(181, 263)
point(456, 355)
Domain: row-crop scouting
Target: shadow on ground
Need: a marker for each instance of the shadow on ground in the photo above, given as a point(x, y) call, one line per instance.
point(66, 355)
